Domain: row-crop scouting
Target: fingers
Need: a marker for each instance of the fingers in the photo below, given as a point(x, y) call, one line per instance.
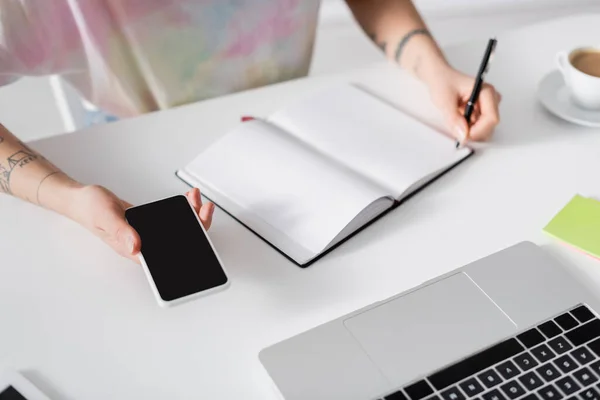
point(450, 105)
point(195, 199)
point(126, 239)
point(206, 214)
point(484, 125)
point(458, 124)
point(204, 211)
point(121, 250)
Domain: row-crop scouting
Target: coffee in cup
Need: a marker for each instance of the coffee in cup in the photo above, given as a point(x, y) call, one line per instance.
point(587, 62)
point(581, 70)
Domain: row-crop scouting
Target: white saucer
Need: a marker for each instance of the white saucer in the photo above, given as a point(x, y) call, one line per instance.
point(555, 96)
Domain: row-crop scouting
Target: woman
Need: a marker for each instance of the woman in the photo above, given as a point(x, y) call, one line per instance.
point(128, 57)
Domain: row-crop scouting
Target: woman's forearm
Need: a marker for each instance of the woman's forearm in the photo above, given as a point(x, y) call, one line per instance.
point(26, 174)
point(398, 29)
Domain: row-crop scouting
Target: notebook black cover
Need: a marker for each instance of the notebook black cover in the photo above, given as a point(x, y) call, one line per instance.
point(309, 263)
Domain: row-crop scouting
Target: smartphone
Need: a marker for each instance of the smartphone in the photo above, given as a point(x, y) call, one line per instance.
point(179, 260)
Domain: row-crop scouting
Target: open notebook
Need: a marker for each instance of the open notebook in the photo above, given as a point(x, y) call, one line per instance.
point(312, 174)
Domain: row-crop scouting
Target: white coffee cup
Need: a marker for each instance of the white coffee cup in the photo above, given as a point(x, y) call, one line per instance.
point(585, 88)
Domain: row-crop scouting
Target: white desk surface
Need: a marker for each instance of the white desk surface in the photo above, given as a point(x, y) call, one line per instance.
point(82, 323)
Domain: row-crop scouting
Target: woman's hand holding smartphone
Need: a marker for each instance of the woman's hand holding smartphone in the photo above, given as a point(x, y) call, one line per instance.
point(176, 253)
point(103, 213)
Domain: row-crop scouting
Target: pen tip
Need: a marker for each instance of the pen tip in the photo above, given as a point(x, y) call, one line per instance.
point(457, 144)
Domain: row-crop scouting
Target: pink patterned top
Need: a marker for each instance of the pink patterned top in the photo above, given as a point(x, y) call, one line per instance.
point(133, 56)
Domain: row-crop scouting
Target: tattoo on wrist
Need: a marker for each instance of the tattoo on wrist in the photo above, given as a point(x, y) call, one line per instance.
point(406, 38)
point(37, 196)
point(381, 45)
point(18, 160)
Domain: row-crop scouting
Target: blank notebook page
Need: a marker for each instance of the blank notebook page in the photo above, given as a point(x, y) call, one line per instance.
point(369, 136)
point(274, 177)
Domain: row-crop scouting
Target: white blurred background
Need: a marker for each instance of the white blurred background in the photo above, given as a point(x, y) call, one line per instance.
point(41, 106)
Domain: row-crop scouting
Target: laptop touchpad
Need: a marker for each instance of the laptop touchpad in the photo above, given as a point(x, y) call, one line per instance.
point(424, 330)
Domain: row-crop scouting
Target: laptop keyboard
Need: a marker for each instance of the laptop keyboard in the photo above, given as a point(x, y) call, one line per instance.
point(557, 359)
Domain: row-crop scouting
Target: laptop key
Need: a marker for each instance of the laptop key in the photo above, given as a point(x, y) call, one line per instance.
point(567, 385)
point(493, 394)
point(531, 338)
point(584, 376)
point(543, 353)
point(525, 361)
point(531, 381)
point(566, 321)
point(584, 333)
point(508, 370)
point(512, 389)
point(550, 329)
point(548, 372)
point(589, 394)
point(418, 390)
point(550, 393)
point(595, 346)
point(560, 345)
point(452, 393)
point(489, 378)
point(471, 387)
point(582, 355)
point(595, 366)
point(582, 313)
point(566, 363)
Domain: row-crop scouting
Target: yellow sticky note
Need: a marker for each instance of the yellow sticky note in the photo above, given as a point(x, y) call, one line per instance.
point(578, 224)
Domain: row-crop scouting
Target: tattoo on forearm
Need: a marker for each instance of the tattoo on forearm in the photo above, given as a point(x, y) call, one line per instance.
point(381, 45)
point(406, 38)
point(4, 180)
point(21, 158)
point(18, 160)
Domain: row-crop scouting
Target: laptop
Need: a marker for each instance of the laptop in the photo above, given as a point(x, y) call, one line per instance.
point(514, 325)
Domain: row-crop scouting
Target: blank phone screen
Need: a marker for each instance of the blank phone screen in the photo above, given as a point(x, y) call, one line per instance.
point(175, 248)
point(10, 393)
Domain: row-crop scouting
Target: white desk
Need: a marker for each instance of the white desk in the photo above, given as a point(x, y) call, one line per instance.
point(83, 324)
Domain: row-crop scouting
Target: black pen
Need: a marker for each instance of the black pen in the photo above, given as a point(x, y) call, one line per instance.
point(483, 69)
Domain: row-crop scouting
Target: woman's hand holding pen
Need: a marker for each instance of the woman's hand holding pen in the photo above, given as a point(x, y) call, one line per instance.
point(450, 91)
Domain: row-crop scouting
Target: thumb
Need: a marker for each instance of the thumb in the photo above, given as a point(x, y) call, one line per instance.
point(458, 125)
point(123, 234)
point(448, 103)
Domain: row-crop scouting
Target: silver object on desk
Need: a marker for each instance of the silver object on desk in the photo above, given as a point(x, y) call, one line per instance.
point(513, 323)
